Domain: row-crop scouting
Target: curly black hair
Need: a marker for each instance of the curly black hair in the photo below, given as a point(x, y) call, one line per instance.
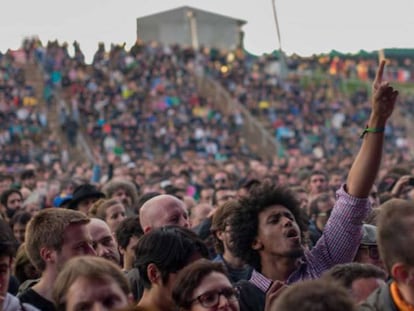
point(245, 221)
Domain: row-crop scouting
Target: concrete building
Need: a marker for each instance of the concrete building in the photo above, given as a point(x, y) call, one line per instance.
point(189, 26)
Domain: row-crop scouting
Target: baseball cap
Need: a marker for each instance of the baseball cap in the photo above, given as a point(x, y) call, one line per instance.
point(369, 235)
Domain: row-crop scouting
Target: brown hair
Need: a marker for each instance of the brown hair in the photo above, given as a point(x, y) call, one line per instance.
point(46, 229)
point(98, 209)
point(347, 273)
point(372, 217)
point(89, 267)
point(190, 278)
point(314, 295)
point(21, 264)
point(395, 233)
point(220, 220)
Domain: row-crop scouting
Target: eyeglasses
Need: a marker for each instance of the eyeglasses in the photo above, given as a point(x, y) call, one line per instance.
point(220, 180)
point(211, 299)
point(373, 252)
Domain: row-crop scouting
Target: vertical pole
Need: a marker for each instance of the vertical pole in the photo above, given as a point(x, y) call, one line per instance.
point(283, 68)
point(193, 29)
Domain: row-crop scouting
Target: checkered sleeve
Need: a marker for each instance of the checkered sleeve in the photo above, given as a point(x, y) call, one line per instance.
point(342, 235)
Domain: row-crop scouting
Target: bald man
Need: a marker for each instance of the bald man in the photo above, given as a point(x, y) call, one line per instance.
point(161, 211)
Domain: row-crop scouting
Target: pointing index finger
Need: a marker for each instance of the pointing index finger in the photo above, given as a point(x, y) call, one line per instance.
point(380, 72)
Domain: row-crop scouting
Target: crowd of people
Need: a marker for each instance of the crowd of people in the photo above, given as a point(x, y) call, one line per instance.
point(22, 124)
point(315, 118)
point(177, 212)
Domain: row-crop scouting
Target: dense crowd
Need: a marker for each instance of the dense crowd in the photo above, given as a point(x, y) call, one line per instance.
point(22, 124)
point(176, 211)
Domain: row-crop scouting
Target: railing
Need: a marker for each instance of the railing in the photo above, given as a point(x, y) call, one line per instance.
point(257, 137)
point(81, 144)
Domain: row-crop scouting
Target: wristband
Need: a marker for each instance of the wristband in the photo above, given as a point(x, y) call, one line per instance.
point(372, 130)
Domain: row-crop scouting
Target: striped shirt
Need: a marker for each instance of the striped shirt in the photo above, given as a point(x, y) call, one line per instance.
point(338, 244)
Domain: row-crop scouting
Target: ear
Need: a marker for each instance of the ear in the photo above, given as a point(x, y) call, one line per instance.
point(153, 274)
point(48, 255)
point(130, 299)
point(257, 245)
point(147, 229)
point(400, 273)
point(121, 251)
point(219, 234)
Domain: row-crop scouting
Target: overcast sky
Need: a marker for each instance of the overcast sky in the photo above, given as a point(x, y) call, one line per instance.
point(306, 26)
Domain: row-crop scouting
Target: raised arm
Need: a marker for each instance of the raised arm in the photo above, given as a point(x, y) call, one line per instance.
point(365, 168)
point(342, 234)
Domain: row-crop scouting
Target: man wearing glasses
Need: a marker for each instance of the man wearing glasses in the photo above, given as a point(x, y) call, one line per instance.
point(395, 240)
point(368, 248)
point(221, 180)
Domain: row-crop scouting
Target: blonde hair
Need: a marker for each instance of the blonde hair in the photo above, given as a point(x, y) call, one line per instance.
point(46, 229)
point(89, 267)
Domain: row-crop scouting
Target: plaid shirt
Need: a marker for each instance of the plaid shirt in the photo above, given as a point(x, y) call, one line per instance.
point(338, 244)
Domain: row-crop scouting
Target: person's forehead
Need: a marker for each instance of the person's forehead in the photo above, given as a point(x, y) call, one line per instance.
point(19, 226)
point(5, 261)
point(98, 229)
point(302, 194)
point(85, 289)
point(274, 209)
point(367, 282)
point(122, 190)
point(116, 207)
point(212, 281)
point(74, 231)
point(13, 195)
point(173, 207)
point(225, 192)
point(327, 201)
point(220, 175)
